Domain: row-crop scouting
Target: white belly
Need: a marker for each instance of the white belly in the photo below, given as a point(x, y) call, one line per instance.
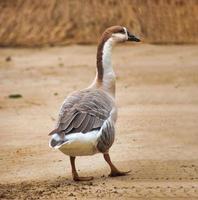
point(79, 144)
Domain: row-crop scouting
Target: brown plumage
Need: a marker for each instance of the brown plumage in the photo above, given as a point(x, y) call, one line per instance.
point(105, 36)
point(84, 111)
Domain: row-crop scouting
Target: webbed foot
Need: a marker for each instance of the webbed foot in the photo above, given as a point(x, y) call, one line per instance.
point(78, 178)
point(118, 173)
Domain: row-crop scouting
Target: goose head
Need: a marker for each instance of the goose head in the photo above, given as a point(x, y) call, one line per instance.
point(119, 34)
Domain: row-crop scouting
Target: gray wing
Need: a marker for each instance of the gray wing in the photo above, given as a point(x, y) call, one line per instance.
point(84, 111)
point(107, 134)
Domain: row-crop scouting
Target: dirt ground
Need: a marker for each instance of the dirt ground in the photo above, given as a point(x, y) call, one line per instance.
point(157, 128)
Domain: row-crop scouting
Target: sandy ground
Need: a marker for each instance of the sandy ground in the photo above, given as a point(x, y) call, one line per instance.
point(157, 129)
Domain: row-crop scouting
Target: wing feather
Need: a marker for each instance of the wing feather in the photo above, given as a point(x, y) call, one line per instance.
point(79, 119)
point(84, 111)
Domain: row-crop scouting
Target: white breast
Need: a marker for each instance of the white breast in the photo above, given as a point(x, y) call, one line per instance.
point(79, 144)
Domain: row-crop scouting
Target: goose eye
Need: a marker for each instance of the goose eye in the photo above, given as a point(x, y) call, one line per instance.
point(121, 31)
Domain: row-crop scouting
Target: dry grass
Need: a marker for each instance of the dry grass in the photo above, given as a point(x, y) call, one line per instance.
point(51, 22)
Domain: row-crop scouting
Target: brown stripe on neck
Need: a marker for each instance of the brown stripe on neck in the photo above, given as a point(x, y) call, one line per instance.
point(100, 70)
point(105, 36)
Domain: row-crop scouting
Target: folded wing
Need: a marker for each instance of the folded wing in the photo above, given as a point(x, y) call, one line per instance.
point(83, 111)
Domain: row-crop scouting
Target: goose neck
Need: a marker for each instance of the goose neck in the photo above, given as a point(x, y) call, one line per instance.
point(105, 75)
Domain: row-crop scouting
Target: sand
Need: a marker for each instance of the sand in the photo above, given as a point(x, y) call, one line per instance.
point(156, 134)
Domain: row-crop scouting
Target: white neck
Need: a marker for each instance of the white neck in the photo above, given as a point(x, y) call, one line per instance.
point(107, 80)
point(106, 59)
point(108, 73)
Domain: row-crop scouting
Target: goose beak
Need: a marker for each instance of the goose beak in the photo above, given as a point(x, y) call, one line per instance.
point(132, 37)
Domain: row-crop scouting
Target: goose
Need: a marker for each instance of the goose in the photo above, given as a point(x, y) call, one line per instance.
point(86, 122)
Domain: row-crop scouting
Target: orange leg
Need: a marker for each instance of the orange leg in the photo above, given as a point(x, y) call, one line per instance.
point(75, 174)
point(114, 170)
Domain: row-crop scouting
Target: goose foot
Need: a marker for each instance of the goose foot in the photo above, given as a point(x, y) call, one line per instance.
point(118, 173)
point(114, 171)
point(75, 174)
point(77, 178)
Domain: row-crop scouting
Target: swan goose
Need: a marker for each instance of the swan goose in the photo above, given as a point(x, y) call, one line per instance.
point(87, 118)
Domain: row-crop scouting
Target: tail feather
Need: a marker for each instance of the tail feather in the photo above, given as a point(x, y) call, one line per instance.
point(55, 140)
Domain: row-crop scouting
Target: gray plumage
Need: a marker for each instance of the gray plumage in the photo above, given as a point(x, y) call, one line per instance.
point(107, 137)
point(88, 110)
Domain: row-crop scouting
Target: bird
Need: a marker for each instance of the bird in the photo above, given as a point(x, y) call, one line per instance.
point(86, 121)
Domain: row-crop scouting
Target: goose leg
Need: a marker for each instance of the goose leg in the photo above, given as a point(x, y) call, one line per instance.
point(114, 170)
point(74, 172)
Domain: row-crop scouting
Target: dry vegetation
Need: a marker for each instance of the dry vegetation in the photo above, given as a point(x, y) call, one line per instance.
point(33, 23)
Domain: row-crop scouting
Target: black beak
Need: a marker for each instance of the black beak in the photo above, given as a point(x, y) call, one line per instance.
point(132, 37)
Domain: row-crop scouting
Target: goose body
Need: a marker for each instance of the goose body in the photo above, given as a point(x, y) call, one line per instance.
point(86, 122)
